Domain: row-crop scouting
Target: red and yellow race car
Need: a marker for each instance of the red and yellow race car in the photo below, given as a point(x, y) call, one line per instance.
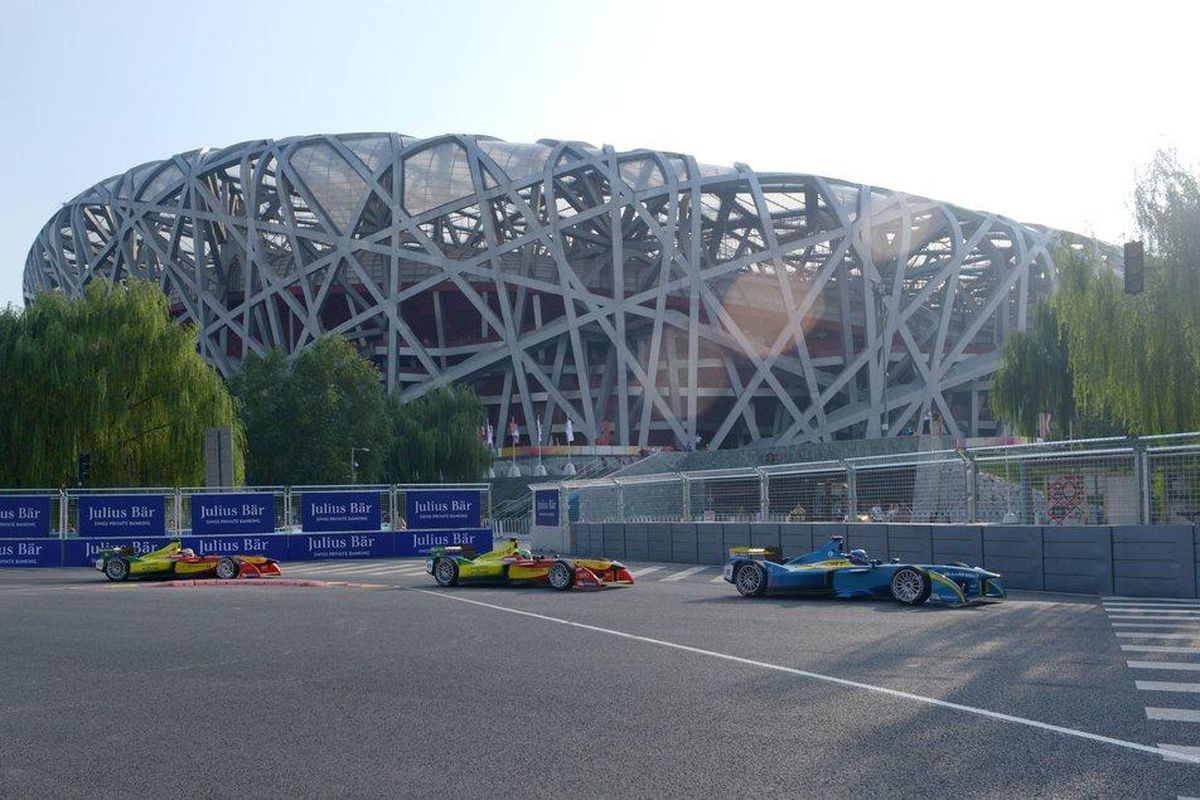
point(510, 563)
point(176, 561)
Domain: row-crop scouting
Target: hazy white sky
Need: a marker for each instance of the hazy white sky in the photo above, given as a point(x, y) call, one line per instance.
point(1039, 111)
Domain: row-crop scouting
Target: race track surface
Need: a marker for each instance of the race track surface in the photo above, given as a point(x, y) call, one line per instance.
point(374, 682)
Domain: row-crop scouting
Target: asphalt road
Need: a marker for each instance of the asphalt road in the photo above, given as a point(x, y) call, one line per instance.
point(386, 685)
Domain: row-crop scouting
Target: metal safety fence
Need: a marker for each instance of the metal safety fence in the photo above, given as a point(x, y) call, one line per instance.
point(1126, 480)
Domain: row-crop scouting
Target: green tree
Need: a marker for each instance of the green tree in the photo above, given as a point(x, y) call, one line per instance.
point(302, 419)
point(437, 438)
point(1132, 361)
point(108, 374)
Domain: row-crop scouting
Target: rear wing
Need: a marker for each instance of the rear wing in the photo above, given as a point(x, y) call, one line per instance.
point(757, 553)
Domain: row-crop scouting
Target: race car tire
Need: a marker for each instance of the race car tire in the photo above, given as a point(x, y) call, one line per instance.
point(911, 586)
point(561, 575)
point(445, 572)
point(750, 579)
point(116, 569)
point(227, 568)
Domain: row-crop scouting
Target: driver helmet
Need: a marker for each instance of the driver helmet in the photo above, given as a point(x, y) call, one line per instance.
point(859, 557)
point(187, 552)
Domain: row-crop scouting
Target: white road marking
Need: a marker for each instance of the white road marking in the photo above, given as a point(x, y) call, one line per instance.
point(1132, 635)
point(1152, 599)
point(1175, 625)
point(1180, 748)
point(1154, 618)
point(932, 701)
point(1182, 665)
point(1173, 714)
point(637, 573)
point(678, 576)
point(1167, 686)
point(719, 579)
point(1175, 612)
point(1150, 648)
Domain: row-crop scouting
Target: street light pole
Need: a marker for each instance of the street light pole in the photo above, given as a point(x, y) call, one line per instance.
point(354, 464)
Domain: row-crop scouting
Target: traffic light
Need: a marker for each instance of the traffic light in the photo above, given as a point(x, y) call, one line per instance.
point(1135, 262)
point(85, 468)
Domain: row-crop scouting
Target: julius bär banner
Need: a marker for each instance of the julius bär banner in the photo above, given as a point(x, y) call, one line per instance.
point(83, 552)
point(30, 553)
point(340, 511)
point(546, 507)
point(121, 515)
point(340, 545)
point(441, 508)
point(408, 545)
point(24, 516)
point(214, 514)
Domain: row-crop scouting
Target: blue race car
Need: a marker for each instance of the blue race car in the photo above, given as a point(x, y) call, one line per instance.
point(831, 572)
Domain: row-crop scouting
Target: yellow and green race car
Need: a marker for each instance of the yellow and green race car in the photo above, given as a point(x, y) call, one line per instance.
point(176, 561)
point(510, 563)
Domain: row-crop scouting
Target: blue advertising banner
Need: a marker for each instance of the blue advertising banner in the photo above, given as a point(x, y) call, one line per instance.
point(270, 545)
point(441, 508)
point(340, 545)
point(24, 516)
point(545, 507)
point(30, 553)
point(83, 552)
point(121, 515)
point(214, 514)
point(419, 544)
point(340, 511)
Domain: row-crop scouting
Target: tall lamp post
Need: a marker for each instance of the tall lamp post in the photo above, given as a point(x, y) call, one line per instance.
point(354, 464)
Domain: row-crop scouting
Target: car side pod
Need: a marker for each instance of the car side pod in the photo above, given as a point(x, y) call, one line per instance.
point(267, 569)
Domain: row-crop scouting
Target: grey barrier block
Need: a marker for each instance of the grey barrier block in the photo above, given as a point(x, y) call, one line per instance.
point(1154, 561)
point(1077, 559)
point(796, 538)
point(579, 536)
point(683, 543)
point(957, 543)
point(734, 535)
point(637, 546)
point(708, 543)
point(867, 536)
point(910, 543)
point(764, 534)
point(613, 540)
point(822, 531)
point(1014, 551)
point(658, 541)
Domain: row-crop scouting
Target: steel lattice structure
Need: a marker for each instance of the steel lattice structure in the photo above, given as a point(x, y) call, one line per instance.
point(647, 297)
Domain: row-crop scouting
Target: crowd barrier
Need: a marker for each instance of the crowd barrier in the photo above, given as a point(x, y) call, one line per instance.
point(1134, 560)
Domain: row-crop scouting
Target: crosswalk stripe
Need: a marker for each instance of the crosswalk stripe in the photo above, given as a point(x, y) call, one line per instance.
point(1134, 635)
point(1173, 714)
point(1152, 648)
point(637, 573)
point(678, 576)
point(1154, 617)
point(1182, 749)
point(1176, 625)
point(1167, 686)
point(1164, 608)
point(1181, 600)
point(1159, 610)
point(1187, 666)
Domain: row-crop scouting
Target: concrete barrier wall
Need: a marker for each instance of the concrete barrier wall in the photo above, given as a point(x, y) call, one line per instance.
point(1142, 561)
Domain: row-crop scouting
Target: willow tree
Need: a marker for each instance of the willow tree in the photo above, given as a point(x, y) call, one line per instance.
point(437, 438)
point(111, 375)
point(1132, 361)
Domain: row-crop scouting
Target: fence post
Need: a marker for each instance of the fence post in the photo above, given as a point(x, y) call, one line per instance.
point(64, 508)
point(687, 497)
point(972, 487)
point(178, 510)
point(851, 492)
point(620, 501)
point(764, 495)
point(287, 509)
point(392, 506)
point(1141, 473)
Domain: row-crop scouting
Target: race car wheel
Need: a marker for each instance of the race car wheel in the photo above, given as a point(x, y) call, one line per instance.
point(227, 568)
point(445, 572)
point(751, 579)
point(116, 569)
point(561, 575)
point(911, 586)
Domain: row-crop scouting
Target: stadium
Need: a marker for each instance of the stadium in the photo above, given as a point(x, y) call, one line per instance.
point(649, 299)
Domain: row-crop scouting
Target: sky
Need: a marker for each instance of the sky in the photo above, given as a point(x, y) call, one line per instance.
point(1043, 111)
